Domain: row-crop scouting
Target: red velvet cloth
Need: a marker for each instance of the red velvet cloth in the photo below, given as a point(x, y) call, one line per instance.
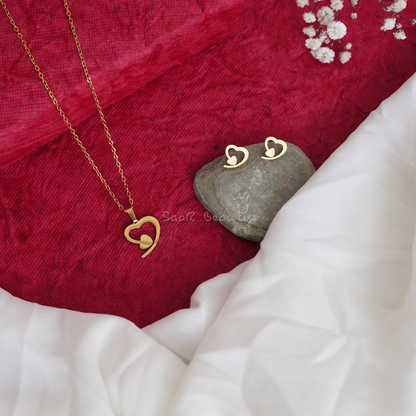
point(61, 234)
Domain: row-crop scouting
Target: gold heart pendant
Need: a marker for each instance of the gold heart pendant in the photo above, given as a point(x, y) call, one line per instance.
point(270, 151)
point(232, 160)
point(145, 241)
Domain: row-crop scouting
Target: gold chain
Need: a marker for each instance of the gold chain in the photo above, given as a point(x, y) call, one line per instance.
point(61, 112)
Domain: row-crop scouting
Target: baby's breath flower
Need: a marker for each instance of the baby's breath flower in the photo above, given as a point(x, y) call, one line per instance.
point(389, 23)
point(399, 34)
point(325, 55)
point(337, 4)
point(309, 31)
point(344, 56)
point(325, 15)
point(329, 29)
point(313, 43)
point(322, 36)
point(313, 53)
point(398, 5)
point(309, 17)
point(302, 3)
point(336, 30)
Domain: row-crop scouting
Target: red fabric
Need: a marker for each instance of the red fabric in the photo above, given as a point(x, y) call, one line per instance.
point(62, 235)
point(126, 45)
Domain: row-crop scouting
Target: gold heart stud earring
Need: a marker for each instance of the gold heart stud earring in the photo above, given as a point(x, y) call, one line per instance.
point(271, 152)
point(232, 160)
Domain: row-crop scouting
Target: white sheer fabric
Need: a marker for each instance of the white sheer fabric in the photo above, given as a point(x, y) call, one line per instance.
point(322, 322)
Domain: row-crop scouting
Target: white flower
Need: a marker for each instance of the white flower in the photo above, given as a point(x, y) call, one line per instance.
point(310, 31)
point(354, 2)
point(348, 46)
point(336, 30)
point(389, 23)
point(313, 43)
point(337, 4)
point(325, 15)
point(398, 5)
point(353, 15)
point(400, 34)
point(344, 56)
point(302, 3)
point(325, 55)
point(309, 17)
point(322, 36)
point(313, 53)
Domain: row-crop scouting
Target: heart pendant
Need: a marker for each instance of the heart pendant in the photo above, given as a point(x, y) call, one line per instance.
point(145, 241)
point(270, 152)
point(232, 160)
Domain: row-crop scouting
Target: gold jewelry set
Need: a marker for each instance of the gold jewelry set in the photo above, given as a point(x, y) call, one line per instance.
point(145, 242)
point(269, 154)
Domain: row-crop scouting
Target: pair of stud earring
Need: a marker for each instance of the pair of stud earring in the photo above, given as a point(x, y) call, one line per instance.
point(269, 154)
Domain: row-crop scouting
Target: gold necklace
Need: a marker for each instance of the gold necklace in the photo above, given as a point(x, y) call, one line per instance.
point(145, 241)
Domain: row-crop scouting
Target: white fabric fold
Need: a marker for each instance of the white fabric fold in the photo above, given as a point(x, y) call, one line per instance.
point(59, 362)
point(183, 330)
point(322, 322)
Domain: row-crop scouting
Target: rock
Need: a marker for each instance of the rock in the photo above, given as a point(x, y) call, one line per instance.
point(246, 199)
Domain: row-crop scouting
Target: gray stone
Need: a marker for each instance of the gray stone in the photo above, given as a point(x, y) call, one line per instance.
point(246, 199)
